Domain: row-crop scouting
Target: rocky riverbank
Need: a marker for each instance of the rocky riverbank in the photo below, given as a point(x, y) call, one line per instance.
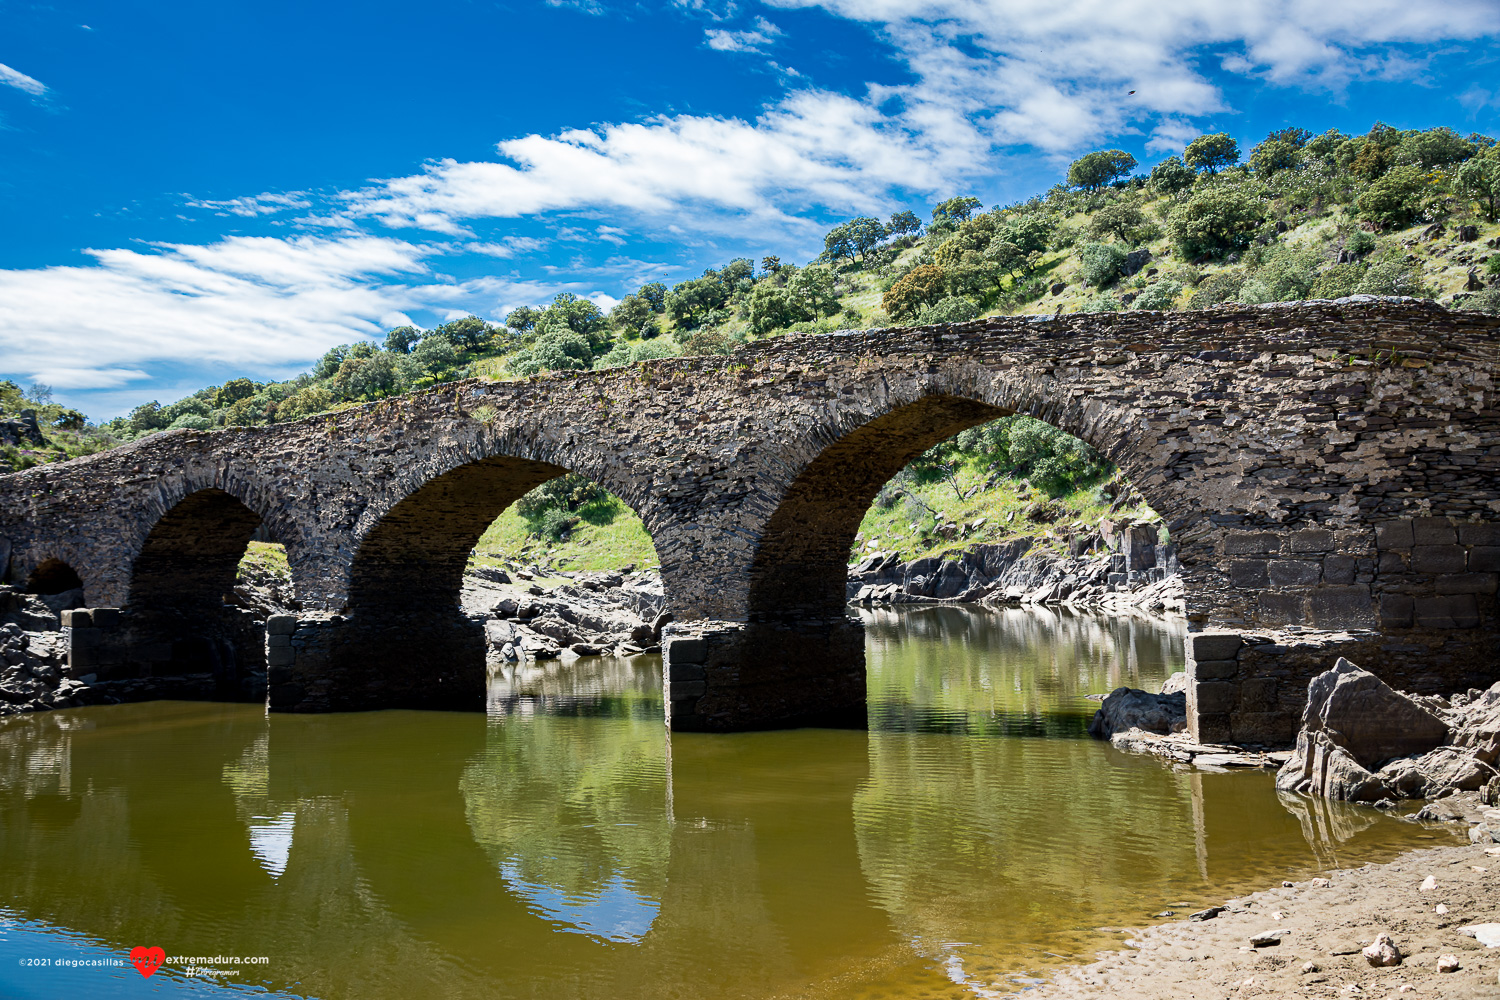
point(1438, 911)
point(1120, 568)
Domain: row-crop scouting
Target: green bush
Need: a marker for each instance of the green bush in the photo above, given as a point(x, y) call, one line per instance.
point(553, 351)
point(948, 310)
point(1337, 281)
point(1217, 288)
point(1394, 199)
point(1100, 302)
point(567, 493)
point(1159, 296)
point(1215, 222)
point(921, 286)
point(1171, 176)
point(1099, 263)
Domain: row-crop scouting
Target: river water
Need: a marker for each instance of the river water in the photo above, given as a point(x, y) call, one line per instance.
point(564, 845)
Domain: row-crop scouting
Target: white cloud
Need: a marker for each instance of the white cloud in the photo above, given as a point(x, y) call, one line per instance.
point(15, 78)
point(814, 148)
point(260, 204)
point(764, 33)
point(251, 305)
point(510, 246)
point(1056, 76)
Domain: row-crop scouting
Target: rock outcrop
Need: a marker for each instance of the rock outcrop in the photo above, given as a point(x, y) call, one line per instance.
point(1127, 708)
point(1118, 568)
point(597, 614)
point(1362, 741)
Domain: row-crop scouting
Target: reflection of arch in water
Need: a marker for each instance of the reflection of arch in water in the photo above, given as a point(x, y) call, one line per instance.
point(573, 814)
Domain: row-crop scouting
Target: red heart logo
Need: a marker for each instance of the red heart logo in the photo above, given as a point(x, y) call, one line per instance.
point(147, 960)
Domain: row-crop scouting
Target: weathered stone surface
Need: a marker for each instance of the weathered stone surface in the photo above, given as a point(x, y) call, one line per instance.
point(752, 471)
point(1213, 645)
point(1131, 708)
point(1363, 715)
point(1321, 767)
point(1439, 559)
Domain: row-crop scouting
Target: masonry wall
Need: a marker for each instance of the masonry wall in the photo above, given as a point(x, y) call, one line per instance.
point(1284, 446)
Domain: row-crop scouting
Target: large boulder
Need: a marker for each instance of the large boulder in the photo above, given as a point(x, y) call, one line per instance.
point(1131, 708)
point(1324, 768)
point(1363, 715)
point(1477, 726)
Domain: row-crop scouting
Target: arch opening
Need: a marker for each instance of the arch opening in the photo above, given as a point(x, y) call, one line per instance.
point(801, 564)
point(52, 577)
point(826, 522)
point(190, 558)
point(415, 630)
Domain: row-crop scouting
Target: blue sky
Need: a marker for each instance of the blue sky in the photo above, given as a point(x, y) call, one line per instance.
point(192, 192)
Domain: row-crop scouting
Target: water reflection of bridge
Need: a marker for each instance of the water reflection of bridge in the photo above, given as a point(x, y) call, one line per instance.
point(423, 854)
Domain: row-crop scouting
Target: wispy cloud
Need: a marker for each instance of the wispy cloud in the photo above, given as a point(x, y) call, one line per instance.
point(254, 205)
point(752, 40)
point(15, 78)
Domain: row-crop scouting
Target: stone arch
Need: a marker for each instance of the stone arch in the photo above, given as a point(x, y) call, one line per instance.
point(188, 558)
point(413, 553)
point(52, 576)
point(800, 563)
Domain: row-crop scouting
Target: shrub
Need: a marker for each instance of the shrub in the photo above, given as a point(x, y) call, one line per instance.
point(1215, 222)
point(1394, 199)
point(1287, 275)
point(1217, 288)
point(1337, 281)
point(554, 523)
point(1099, 168)
point(1391, 276)
point(1171, 176)
point(553, 351)
point(192, 421)
point(566, 493)
point(1212, 152)
point(1029, 232)
point(1100, 302)
point(1158, 296)
point(1487, 301)
point(948, 310)
point(1479, 180)
point(921, 286)
point(1100, 263)
point(1122, 220)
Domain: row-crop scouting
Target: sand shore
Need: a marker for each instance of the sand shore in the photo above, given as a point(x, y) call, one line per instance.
point(1324, 921)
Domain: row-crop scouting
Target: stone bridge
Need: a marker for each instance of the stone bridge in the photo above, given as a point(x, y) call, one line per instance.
point(1329, 464)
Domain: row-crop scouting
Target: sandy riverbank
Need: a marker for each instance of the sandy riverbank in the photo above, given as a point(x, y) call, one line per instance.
point(1323, 921)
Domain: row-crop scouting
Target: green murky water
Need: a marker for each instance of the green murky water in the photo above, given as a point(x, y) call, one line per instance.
point(565, 846)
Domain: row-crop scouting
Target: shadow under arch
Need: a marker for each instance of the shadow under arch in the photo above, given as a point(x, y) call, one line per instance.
point(176, 626)
point(402, 638)
point(801, 563)
point(52, 576)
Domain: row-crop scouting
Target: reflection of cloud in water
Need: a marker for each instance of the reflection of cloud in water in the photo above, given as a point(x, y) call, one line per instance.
point(615, 912)
point(271, 841)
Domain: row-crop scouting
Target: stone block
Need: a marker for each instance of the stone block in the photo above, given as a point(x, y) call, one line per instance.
point(1282, 609)
point(106, 617)
point(1484, 559)
point(1312, 540)
point(1216, 697)
point(1294, 572)
point(679, 672)
point(1204, 646)
point(1479, 533)
point(276, 640)
point(685, 649)
point(1258, 694)
point(688, 689)
point(1216, 670)
point(1262, 727)
point(1433, 531)
point(1467, 583)
point(156, 652)
point(280, 656)
point(77, 618)
point(1342, 607)
point(1338, 569)
point(84, 638)
point(1394, 535)
point(1452, 611)
point(1248, 573)
point(1245, 543)
point(80, 657)
point(1210, 728)
point(1396, 610)
point(281, 624)
point(1439, 559)
point(1392, 562)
